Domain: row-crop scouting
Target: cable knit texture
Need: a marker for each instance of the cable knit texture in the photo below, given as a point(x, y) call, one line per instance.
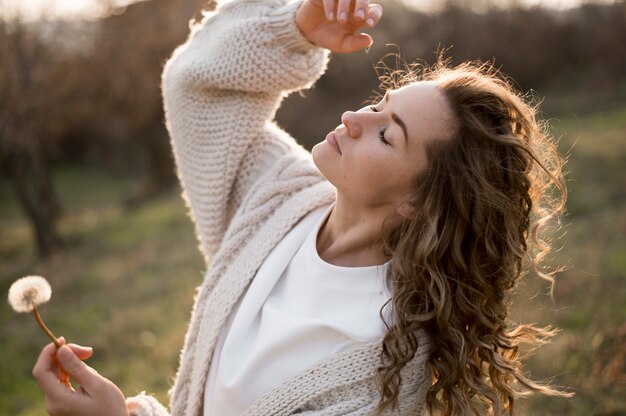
point(247, 183)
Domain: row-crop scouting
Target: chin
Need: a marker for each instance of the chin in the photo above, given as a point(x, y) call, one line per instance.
point(322, 162)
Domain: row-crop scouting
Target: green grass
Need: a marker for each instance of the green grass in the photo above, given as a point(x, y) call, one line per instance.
point(125, 282)
point(124, 285)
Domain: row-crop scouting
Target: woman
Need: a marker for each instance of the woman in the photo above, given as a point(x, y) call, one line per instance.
point(377, 287)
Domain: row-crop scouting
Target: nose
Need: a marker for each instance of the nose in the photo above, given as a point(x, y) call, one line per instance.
point(350, 120)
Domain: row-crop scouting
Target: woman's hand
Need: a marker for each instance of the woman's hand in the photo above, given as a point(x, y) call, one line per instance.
point(334, 24)
point(96, 395)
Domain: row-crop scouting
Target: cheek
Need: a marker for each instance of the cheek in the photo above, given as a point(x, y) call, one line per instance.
point(368, 175)
point(378, 179)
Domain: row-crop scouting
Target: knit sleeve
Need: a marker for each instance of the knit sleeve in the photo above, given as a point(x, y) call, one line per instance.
point(221, 91)
point(145, 405)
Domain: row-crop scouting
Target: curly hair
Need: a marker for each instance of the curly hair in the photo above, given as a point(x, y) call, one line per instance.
point(481, 211)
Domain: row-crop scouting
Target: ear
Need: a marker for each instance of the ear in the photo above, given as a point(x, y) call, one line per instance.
point(406, 210)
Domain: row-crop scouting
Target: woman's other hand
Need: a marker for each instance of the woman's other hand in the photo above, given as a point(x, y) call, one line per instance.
point(96, 394)
point(335, 24)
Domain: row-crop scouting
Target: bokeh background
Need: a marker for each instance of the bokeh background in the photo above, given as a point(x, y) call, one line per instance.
point(89, 197)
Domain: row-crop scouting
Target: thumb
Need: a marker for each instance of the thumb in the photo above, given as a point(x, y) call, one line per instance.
point(77, 369)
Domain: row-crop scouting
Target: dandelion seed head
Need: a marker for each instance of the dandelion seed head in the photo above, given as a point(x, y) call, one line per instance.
point(29, 292)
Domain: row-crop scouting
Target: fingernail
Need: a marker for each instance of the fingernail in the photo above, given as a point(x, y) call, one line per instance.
point(331, 16)
point(370, 22)
point(344, 16)
point(84, 348)
point(360, 14)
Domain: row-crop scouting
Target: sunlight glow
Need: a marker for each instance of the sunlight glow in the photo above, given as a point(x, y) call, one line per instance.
point(30, 10)
point(93, 9)
point(434, 5)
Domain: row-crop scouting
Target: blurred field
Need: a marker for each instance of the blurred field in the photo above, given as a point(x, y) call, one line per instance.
point(124, 286)
point(589, 355)
point(124, 283)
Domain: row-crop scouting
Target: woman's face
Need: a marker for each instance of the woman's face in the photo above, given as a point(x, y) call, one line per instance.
point(377, 151)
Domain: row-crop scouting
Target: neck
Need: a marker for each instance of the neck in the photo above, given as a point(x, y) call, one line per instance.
point(352, 235)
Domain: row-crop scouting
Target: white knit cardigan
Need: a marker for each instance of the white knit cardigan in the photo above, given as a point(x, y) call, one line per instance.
point(247, 183)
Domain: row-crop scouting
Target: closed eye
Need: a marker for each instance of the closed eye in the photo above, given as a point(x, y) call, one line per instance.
point(381, 134)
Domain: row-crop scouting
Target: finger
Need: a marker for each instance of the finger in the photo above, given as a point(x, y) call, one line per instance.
point(78, 370)
point(360, 9)
point(352, 43)
point(61, 375)
point(44, 361)
point(343, 10)
point(329, 9)
point(81, 352)
point(374, 14)
point(44, 373)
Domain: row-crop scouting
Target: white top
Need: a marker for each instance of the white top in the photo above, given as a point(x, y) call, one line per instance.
point(247, 184)
point(295, 314)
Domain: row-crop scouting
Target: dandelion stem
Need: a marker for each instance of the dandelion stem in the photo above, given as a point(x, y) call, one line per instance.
point(45, 328)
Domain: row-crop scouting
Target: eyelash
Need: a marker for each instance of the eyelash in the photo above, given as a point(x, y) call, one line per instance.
point(381, 134)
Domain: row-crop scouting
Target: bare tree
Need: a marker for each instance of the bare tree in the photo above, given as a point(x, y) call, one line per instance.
point(25, 61)
point(132, 45)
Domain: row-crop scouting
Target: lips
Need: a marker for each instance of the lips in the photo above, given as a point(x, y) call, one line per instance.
point(332, 141)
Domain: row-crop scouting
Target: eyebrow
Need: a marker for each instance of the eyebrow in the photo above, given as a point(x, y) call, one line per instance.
point(398, 121)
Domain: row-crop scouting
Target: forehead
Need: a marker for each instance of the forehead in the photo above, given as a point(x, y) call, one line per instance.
point(424, 109)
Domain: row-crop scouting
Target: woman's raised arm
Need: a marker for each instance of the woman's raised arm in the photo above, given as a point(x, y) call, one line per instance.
point(224, 85)
point(221, 90)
